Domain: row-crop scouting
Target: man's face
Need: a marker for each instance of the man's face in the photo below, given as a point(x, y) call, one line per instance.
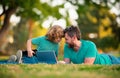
point(69, 40)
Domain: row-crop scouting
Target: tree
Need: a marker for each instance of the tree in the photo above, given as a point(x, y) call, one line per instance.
point(27, 9)
point(12, 7)
point(91, 15)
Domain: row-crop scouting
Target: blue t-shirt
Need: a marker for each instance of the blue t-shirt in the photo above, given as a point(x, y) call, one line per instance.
point(87, 50)
point(43, 44)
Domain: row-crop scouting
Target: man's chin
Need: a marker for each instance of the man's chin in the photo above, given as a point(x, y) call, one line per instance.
point(71, 46)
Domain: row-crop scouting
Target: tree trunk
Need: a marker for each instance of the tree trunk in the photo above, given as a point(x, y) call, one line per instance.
point(30, 23)
point(5, 27)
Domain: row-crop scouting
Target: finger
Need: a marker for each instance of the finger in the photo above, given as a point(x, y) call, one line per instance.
point(29, 55)
point(33, 52)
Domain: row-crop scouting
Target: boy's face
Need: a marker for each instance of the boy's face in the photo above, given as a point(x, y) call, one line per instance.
point(57, 40)
point(69, 40)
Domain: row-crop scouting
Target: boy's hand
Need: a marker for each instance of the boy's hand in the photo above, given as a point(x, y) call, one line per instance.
point(30, 53)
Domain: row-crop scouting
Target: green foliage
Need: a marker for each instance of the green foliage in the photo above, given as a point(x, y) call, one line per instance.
point(91, 16)
point(48, 10)
point(108, 42)
point(25, 8)
point(20, 37)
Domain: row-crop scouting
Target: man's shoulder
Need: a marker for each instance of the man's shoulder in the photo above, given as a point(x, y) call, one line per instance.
point(87, 42)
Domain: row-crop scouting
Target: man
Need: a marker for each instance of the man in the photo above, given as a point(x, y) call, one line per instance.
point(80, 51)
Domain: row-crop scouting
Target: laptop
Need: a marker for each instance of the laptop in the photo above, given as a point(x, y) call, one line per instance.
point(48, 57)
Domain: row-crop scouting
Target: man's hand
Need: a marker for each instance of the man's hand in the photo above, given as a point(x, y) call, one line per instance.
point(67, 60)
point(61, 62)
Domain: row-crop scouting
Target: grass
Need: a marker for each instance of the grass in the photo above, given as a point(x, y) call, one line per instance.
point(59, 71)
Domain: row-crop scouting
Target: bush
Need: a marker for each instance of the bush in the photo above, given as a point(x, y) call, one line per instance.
point(108, 42)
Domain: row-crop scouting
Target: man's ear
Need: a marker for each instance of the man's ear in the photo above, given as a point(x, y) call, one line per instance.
point(74, 37)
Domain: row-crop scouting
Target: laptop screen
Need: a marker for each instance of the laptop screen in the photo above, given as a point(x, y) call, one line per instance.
point(48, 57)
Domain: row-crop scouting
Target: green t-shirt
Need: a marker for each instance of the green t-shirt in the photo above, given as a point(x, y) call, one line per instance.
point(87, 50)
point(43, 44)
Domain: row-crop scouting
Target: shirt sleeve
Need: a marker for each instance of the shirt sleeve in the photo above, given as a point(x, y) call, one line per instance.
point(36, 41)
point(91, 51)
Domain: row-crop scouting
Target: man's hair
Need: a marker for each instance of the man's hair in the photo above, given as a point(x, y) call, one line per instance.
point(73, 30)
point(55, 32)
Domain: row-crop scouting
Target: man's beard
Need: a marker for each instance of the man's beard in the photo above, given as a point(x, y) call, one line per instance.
point(71, 45)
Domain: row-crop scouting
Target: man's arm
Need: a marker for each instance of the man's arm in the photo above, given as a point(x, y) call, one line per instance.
point(89, 61)
point(67, 60)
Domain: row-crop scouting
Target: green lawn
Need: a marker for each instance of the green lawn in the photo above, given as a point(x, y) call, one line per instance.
point(59, 71)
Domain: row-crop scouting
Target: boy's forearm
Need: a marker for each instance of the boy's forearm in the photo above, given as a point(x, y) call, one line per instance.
point(29, 45)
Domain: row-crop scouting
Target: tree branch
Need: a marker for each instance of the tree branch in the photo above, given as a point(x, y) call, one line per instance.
point(4, 10)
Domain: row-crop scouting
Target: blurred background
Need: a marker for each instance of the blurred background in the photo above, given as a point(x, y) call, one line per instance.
point(98, 20)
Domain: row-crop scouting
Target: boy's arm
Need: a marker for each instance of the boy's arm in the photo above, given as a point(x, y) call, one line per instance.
point(29, 48)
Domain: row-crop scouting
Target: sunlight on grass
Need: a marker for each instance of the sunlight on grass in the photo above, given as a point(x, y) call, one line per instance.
point(4, 57)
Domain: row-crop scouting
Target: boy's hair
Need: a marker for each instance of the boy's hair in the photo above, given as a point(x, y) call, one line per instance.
point(54, 32)
point(73, 30)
